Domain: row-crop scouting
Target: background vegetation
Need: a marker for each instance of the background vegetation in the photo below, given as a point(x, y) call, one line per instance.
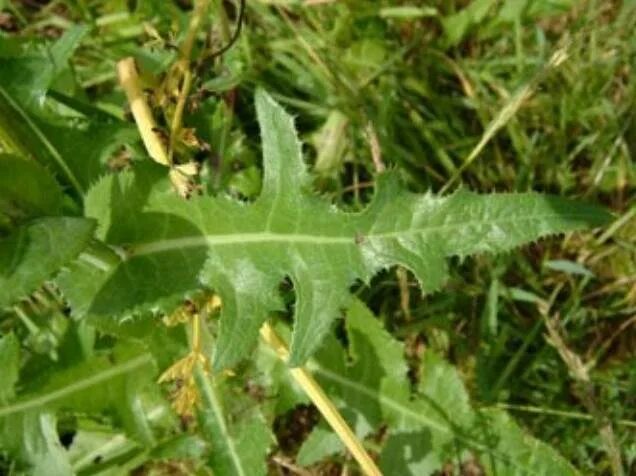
point(544, 88)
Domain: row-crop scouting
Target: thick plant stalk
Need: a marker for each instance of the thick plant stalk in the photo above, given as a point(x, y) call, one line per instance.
point(326, 407)
point(129, 81)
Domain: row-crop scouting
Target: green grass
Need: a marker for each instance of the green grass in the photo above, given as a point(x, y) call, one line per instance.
point(429, 91)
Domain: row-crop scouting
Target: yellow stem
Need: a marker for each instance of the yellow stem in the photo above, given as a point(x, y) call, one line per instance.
point(129, 80)
point(323, 403)
point(183, 67)
point(177, 118)
point(196, 333)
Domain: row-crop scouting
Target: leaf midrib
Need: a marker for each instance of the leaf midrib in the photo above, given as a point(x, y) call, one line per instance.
point(37, 132)
point(112, 372)
point(213, 399)
point(198, 241)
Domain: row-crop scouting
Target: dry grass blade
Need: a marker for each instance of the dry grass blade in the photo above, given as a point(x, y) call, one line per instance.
point(505, 114)
point(580, 373)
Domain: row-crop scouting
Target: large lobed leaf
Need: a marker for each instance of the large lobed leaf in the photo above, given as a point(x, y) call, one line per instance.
point(76, 140)
point(426, 427)
point(165, 247)
point(105, 399)
point(109, 382)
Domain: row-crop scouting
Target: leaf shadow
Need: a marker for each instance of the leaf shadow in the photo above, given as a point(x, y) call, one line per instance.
point(155, 279)
point(147, 280)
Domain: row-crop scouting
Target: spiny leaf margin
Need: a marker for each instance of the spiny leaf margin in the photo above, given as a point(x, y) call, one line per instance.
point(170, 247)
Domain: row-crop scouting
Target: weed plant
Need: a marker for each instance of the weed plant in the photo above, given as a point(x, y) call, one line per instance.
point(522, 362)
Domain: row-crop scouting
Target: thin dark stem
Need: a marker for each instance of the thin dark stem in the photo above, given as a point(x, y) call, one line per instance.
point(235, 35)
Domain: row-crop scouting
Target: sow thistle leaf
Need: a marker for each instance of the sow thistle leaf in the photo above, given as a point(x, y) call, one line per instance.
point(108, 382)
point(86, 145)
point(170, 246)
point(21, 134)
point(429, 426)
point(75, 145)
point(27, 76)
point(32, 440)
point(34, 252)
point(77, 148)
point(24, 80)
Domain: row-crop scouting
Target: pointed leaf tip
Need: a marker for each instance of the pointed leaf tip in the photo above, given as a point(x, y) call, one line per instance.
point(284, 171)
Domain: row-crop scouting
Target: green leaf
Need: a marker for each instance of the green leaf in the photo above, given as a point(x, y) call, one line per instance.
point(77, 148)
point(524, 454)
point(27, 189)
point(374, 360)
point(96, 383)
point(103, 451)
point(569, 267)
point(33, 441)
point(108, 382)
point(168, 247)
point(28, 76)
point(321, 443)
point(31, 125)
point(21, 134)
point(428, 427)
point(87, 144)
point(330, 142)
point(456, 26)
point(512, 10)
point(408, 12)
point(410, 453)
point(180, 447)
point(34, 252)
